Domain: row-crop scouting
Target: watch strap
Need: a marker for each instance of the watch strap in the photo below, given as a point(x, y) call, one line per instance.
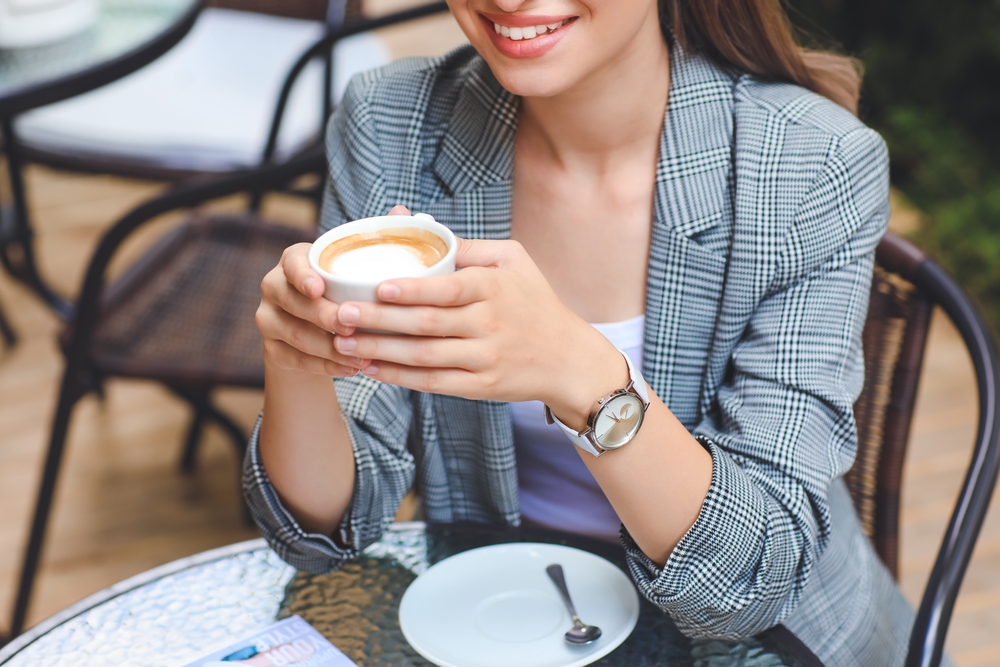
point(581, 441)
point(638, 384)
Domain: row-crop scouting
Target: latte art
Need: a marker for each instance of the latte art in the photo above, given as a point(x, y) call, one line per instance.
point(393, 252)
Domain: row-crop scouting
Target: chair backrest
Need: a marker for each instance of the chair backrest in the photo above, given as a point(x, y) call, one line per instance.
point(894, 338)
point(906, 287)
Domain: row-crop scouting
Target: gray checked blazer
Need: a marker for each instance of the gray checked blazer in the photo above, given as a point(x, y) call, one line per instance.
point(769, 203)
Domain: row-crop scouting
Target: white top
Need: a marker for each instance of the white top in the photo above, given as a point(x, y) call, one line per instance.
point(555, 486)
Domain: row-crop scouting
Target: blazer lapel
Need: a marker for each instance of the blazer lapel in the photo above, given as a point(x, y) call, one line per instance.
point(692, 197)
point(477, 149)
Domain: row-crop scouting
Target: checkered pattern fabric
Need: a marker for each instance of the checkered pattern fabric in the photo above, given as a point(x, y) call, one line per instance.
point(769, 203)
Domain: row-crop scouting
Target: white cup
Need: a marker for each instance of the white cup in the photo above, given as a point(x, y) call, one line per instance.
point(340, 289)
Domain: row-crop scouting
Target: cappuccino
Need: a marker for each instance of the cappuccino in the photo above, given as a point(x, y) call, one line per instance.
point(390, 252)
point(353, 258)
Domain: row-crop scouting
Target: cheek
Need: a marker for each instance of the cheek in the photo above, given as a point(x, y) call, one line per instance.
point(466, 19)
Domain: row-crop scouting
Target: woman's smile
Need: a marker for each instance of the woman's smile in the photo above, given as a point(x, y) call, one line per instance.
point(525, 36)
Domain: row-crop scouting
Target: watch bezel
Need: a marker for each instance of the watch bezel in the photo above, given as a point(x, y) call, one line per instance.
point(605, 404)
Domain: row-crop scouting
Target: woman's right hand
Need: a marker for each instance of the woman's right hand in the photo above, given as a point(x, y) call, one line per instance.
point(296, 322)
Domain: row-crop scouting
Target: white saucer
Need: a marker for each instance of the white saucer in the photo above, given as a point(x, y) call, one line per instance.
point(496, 607)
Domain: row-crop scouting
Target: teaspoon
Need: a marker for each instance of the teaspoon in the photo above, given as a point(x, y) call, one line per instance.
point(580, 633)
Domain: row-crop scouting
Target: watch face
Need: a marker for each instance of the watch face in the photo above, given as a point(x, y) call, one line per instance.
point(618, 421)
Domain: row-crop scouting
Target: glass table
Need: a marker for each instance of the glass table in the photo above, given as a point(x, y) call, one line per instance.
point(128, 35)
point(176, 613)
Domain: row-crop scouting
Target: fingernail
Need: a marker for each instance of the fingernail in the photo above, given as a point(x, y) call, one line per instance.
point(357, 362)
point(346, 344)
point(388, 291)
point(349, 314)
point(307, 285)
point(371, 370)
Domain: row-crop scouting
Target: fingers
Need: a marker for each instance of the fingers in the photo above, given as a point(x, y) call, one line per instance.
point(278, 325)
point(457, 289)
point(410, 320)
point(416, 352)
point(399, 210)
point(451, 381)
point(278, 292)
point(286, 356)
point(298, 273)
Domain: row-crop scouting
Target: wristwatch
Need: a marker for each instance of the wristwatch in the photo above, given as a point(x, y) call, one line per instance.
point(615, 420)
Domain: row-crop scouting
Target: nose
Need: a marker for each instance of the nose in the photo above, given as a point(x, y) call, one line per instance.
point(509, 5)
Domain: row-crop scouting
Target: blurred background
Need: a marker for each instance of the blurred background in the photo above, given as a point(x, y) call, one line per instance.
point(932, 89)
point(122, 506)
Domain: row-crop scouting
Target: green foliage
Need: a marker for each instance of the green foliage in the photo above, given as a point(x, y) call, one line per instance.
point(932, 88)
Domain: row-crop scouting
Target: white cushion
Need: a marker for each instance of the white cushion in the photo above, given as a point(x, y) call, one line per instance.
point(207, 104)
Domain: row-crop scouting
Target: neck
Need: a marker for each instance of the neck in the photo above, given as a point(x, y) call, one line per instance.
point(611, 112)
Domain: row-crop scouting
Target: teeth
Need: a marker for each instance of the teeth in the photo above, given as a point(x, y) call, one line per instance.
point(529, 32)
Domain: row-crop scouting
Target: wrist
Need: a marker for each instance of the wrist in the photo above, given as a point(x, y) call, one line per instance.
point(279, 374)
point(599, 369)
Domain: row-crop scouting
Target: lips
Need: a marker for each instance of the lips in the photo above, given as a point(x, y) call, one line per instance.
point(521, 36)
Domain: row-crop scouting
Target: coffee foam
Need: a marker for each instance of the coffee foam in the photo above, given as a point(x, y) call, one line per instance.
point(392, 252)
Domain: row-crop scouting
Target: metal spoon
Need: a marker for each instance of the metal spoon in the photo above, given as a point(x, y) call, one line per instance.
point(580, 633)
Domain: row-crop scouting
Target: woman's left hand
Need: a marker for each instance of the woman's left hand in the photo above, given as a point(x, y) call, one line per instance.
point(493, 330)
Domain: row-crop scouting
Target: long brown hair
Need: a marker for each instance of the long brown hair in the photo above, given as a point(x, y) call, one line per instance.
point(756, 36)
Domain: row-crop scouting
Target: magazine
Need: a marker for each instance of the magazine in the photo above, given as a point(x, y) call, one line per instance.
point(291, 641)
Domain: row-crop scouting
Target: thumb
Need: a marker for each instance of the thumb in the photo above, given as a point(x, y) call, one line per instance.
point(399, 209)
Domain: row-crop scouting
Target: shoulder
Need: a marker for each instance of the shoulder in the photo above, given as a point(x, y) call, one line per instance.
point(791, 124)
point(413, 87)
point(388, 129)
point(811, 168)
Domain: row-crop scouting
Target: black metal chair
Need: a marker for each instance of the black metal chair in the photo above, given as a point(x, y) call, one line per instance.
point(183, 313)
point(906, 287)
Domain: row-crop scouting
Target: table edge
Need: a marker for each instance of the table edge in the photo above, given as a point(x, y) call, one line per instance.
point(30, 97)
point(29, 636)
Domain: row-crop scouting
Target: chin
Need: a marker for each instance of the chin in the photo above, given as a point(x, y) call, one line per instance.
point(534, 79)
point(539, 78)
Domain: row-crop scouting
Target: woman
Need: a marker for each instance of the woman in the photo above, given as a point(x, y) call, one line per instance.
point(681, 172)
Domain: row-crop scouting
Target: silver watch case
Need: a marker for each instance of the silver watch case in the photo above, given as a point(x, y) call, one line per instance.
point(615, 422)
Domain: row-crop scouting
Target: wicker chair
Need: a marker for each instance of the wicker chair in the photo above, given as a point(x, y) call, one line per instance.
point(183, 313)
point(906, 287)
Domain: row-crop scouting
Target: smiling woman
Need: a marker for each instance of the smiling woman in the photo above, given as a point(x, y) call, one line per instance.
point(667, 216)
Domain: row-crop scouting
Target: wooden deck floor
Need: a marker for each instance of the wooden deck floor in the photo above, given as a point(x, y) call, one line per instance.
point(122, 507)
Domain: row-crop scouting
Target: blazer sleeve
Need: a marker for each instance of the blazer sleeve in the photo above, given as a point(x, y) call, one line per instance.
point(378, 416)
point(781, 427)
